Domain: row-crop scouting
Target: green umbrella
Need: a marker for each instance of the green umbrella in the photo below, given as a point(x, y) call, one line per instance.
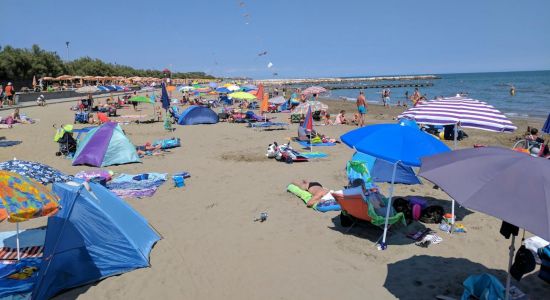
point(140, 99)
point(242, 96)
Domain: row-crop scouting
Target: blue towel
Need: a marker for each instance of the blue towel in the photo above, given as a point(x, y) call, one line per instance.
point(11, 287)
point(307, 144)
point(9, 143)
point(314, 154)
point(137, 182)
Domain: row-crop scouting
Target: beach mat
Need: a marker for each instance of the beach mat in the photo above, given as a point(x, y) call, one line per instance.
point(306, 144)
point(9, 143)
point(311, 155)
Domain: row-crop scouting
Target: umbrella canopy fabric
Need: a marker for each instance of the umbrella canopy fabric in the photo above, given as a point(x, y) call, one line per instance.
point(466, 112)
point(314, 90)
point(186, 88)
point(394, 143)
point(308, 121)
point(140, 99)
point(242, 96)
point(223, 90)
point(164, 97)
point(34, 170)
point(503, 183)
point(22, 198)
point(277, 100)
point(233, 87)
point(87, 89)
point(213, 85)
point(546, 127)
point(315, 106)
point(381, 170)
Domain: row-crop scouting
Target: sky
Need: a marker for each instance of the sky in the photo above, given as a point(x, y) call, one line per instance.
point(303, 38)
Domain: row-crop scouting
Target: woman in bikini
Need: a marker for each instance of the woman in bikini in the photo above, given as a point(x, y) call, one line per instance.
point(316, 190)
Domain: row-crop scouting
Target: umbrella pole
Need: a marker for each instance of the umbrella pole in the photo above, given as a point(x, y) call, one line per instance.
point(455, 136)
point(388, 208)
point(452, 216)
point(17, 241)
point(510, 259)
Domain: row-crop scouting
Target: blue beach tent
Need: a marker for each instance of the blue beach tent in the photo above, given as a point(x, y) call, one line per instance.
point(198, 115)
point(381, 170)
point(94, 236)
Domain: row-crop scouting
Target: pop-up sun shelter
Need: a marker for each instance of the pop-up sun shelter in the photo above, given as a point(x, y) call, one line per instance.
point(105, 145)
point(198, 115)
point(94, 236)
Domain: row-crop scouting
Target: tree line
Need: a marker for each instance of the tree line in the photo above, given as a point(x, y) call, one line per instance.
point(21, 64)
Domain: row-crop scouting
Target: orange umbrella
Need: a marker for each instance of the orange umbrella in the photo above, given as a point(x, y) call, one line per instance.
point(171, 88)
point(260, 95)
point(34, 81)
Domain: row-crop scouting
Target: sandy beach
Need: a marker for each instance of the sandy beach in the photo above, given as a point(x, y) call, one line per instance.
point(213, 249)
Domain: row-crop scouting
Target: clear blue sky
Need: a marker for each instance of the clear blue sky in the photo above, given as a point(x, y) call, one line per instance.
point(303, 37)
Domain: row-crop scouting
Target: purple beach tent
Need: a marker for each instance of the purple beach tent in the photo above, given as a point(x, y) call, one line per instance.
point(105, 145)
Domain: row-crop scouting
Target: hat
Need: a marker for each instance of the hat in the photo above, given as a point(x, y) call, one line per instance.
point(9, 83)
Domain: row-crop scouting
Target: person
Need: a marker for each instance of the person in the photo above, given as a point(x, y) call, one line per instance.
point(415, 98)
point(9, 92)
point(1, 96)
point(148, 149)
point(90, 102)
point(533, 135)
point(41, 101)
point(387, 93)
point(356, 119)
point(134, 104)
point(361, 108)
point(317, 191)
point(406, 96)
point(512, 91)
point(341, 118)
point(16, 117)
point(327, 121)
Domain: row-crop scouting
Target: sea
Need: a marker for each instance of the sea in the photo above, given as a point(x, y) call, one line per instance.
point(531, 99)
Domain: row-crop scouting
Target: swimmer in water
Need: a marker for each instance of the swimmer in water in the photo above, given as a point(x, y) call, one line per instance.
point(512, 91)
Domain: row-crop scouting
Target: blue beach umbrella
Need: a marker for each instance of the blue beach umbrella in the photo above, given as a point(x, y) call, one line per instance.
point(223, 90)
point(213, 85)
point(397, 144)
point(164, 97)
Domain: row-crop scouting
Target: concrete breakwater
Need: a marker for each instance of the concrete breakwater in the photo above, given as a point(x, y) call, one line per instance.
point(343, 80)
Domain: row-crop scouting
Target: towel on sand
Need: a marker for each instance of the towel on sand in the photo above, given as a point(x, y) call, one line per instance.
point(136, 186)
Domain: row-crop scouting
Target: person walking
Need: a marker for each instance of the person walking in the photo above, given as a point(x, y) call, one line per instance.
point(361, 108)
point(9, 92)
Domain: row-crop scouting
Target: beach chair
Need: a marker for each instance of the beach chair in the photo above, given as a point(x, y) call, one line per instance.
point(81, 117)
point(295, 118)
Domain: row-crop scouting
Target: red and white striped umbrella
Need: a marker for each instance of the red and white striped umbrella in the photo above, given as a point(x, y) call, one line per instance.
point(314, 90)
point(465, 112)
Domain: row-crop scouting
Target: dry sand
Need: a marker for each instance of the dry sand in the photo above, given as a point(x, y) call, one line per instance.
point(212, 249)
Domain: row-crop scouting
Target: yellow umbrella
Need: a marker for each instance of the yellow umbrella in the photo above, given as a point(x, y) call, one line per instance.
point(242, 96)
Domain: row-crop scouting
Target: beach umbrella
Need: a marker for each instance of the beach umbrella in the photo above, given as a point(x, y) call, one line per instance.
point(397, 144)
point(315, 106)
point(242, 96)
point(233, 87)
point(22, 198)
point(33, 81)
point(503, 183)
point(308, 126)
point(164, 97)
point(546, 127)
point(459, 111)
point(140, 99)
point(314, 90)
point(35, 170)
point(170, 88)
point(223, 90)
point(277, 100)
point(186, 88)
point(213, 85)
point(90, 89)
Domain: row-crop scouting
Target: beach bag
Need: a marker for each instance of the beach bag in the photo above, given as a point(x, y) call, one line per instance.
point(402, 205)
point(432, 214)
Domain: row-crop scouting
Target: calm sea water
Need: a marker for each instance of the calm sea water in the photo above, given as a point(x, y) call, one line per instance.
point(532, 97)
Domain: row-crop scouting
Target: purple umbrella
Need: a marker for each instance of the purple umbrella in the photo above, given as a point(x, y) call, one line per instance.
point(509, 185)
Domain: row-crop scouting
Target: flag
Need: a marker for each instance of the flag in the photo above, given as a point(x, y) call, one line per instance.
point(164, 97)
point(308, 122)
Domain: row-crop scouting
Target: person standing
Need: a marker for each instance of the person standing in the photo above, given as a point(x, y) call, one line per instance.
point(9, 92)
point(361, 108)
point(1, 96)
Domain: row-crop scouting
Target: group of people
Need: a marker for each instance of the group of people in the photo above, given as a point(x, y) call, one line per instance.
point(7, 94)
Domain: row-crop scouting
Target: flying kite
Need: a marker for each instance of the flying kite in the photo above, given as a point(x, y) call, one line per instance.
point(262, 53)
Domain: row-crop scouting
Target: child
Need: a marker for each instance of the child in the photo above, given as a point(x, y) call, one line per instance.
point(341, 118)
point(328, 121)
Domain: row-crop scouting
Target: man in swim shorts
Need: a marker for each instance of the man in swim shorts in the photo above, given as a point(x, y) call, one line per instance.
point(317, 191)
point(362, 108)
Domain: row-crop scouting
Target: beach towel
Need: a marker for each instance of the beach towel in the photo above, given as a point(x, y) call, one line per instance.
point(306, 144)
point(326, 203)
point(18, 288)
point(9, 143)
point(313, 154)
point(268, 125)
point(136, 186)
point(168, 143)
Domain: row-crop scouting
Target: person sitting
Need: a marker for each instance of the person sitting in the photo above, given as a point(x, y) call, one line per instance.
point(148, 149)
point(327, 120)
point(316, 190)
point(533, 135)
point(356, 119)
point(341, 118)
point(41, 101)
point(16, 117)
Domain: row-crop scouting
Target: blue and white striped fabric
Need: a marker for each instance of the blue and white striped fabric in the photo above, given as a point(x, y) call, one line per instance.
point(465, 112)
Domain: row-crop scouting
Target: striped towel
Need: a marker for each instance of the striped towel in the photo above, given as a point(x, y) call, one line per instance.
point(7, 253)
